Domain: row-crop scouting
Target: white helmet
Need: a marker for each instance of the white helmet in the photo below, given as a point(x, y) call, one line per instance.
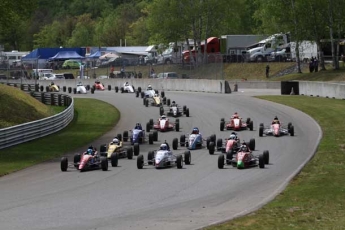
point(164, 147)
point(115, 140)
point(163, 117)
point(232, 137)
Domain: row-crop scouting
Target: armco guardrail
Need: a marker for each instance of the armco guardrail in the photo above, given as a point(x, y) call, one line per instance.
point(36, 129)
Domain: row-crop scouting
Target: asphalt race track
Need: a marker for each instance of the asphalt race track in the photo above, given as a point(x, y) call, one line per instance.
point(43, 197)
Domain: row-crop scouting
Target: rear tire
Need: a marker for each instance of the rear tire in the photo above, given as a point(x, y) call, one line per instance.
point(104, 164)
point(251, 125)
point(219, 143)
point(177, 127)
point(261, 161)
point(148, 127)
point(221, 161)
point(266, 155)
point(114, 160)
point(151, 139)
point(136, 148)
point(179, 162)
point(155, 135)
point(119, 136)
point(292, 131)
point(252, 144)
point(187, 112)
point(151, 122)
point(211, 148)
point(129, 153)
point(125, 136)
point(222, 125)
point(168, 102)
point(187, 157)
point(175, 143)
point(182, 140)
point(150, 157)
point(140, 161)
point(76, 160)
point(261, 131)
point(64, 164)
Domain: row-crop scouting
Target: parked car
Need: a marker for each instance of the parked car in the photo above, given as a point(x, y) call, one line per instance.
point(68, 75)
point(71, 64)
point(167, 75)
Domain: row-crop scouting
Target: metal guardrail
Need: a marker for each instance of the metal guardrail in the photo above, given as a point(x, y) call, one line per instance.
point(36, 129)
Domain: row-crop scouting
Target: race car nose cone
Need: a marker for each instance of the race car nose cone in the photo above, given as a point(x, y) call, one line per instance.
point(240, 164)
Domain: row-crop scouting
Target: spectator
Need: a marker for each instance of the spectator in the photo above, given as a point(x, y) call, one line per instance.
point(140, 75)
point(316, 64)
point(267, 71)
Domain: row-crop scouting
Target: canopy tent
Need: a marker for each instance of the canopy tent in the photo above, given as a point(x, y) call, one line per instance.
point(109, 55)
point(95, 55)
point(64, 55)
point(46, 53)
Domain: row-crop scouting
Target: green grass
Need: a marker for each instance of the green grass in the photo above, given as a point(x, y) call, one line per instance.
point(315, 199)
point(92, 119)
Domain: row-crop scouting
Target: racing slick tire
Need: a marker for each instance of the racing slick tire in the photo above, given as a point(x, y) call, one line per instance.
point(116, 89)
point(211, 148)
point(64, 164)
point(184, 108)
point(119, 136)
point(155, 135)
point(139, 89)
point(151, 122)
point(168, 102)
point(177, 126)
point(104, 164)
point(122, 90)
point(175, 143)
point(266, 155)
point(136, 149)
point(219, 143)
point(187, 157)
point(187, 112)
point(261, 131)
point(289, 125)
point(252, 144)
point(222, 125)
point(162, 94)
point(148, 127)
point(161, 111)
point(229, 158)
point(76, 160)
point(150, 157)
point(114, 160)
point(248, 121)
point(292, 131)
point(261, 161)
point(182, 140)
point(208, 140)
point(221, 161)
point(146, 102)
point(142, 94)
point(164, 101)
point(251, 125)
point(74, 91)
point(213, 138)
point(125, 136)
point(137, 94)
point(151, 139)
point(92, 90)
point(103, 150)
point(179, 162)
point(140, 161)
point(129, 153)
point(109, 87)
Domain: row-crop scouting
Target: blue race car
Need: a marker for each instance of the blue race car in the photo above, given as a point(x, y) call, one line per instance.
point(193, 141)
point(138, 135)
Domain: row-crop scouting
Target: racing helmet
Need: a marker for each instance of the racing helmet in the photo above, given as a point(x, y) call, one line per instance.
point(115, 141)
point(235, 115)
point(275, 118)
point(195, 130)
point(149, 87)
point(163, 147)
point(90, 147)
point(156, 95)
point(163, 117)
point(52, 83)
point(89, 151)
point(126, 83)
point(173, 102)
point(232, 137)
point(243, 148)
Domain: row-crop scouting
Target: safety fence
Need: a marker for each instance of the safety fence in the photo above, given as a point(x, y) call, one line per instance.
point(36, 129)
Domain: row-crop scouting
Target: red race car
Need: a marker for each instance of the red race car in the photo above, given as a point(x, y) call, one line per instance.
point(163, 124)
point(236, 123)
point(98, 85)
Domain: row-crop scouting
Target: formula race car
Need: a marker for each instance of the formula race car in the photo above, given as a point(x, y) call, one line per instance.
point(174, 110)
point(229, 146)
point(277, 129)
point(116, 150)
point(164, 158)
point(163, 124)
point(127, 88)
point(243, 159)
point(98, 85)
point(153, 101)
point(138, 135)
point(81, 88)
point(88, 160)
point(193, 141)
point(53, 88)
point(236, 124)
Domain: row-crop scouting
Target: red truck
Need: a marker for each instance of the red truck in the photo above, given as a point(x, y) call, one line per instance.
point(212, 50)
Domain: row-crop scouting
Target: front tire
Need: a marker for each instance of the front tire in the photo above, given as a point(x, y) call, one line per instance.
point(221, 161)
point(114, 160)
point(140, 161)
point(261, 161)
point(64, 164)
point(129, 153)
point(266, 155)
point(175, 144)
point(136, 148)
point(187, 157)
point(179, 162)
point(211, 148)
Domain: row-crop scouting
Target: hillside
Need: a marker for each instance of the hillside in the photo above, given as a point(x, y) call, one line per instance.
point(17, 107)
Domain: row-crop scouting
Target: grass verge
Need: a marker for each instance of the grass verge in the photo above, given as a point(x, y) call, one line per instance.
point(314, 199)
point(92, 119)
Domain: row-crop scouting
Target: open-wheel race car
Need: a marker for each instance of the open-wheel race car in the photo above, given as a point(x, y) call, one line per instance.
point(156, 100)
point(98, 85)
point(138, 135)
point(244, 158)
point(150, 92)
point(163, 124)
point(236, 123)
point(193, 141)
point(88, 160)
point(116, 150)
point(229, 146)
point(276, 129)
point(174, 110)
point(164, 158)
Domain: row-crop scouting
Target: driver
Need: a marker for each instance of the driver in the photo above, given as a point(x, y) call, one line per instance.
point(149, 87)
point(275, 120)
point(52, 83)
point(138, 126)
point(195, 130)
point(164, 146)
point(173, 104)
point(163, 117)
point(126, 84)
point(235, 115)
point(115, 141)
point(244, 147)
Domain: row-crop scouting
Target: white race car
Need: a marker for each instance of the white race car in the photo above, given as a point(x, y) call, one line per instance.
point(81, 88)
point(127, 88)
point(149, 93)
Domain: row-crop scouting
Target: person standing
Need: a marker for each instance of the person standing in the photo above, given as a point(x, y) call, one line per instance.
point(267, 71)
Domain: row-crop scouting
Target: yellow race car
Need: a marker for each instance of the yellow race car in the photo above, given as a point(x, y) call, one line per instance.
point(53, 88)
point(116, 150)
point(154, 101)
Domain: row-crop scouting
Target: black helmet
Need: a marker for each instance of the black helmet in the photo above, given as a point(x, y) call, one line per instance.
point(90, 147)
point(275, 118)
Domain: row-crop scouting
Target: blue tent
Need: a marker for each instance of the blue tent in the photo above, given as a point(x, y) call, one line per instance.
point(46, 53)
point(95, 55)
point(64, 55)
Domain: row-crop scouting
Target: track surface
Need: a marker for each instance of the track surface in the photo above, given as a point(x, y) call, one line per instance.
point(43, 197)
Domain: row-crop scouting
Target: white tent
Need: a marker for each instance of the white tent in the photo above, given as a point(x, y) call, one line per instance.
point(109, 55)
